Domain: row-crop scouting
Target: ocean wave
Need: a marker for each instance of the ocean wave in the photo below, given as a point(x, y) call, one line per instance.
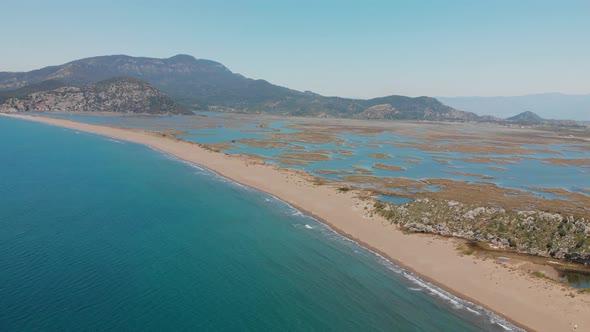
point(297, 213)
point(115, 141)
point(453, 301)
point(423, 285)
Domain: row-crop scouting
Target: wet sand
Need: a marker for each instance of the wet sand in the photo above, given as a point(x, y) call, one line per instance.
point(530, 302)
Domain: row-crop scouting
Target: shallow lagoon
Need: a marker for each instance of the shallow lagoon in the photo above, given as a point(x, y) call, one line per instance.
point(524, 173)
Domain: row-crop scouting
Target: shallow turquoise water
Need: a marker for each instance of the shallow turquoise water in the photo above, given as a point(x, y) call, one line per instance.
point(394, 199)
point(97, 234)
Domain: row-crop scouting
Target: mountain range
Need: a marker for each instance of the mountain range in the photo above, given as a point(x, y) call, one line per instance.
point(546, 105)
point(208, 85)
point(197, 84)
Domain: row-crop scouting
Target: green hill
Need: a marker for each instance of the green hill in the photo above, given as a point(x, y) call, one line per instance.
point(209, 85)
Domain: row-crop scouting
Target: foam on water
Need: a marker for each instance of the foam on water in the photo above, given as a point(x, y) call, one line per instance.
point(330, 234)
point(115, 141)
point(433, 290)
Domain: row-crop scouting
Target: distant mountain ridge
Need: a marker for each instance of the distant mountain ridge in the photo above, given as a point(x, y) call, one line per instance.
point(527, 117)
point(120, 95)
point(209, 85)
point(547, 105)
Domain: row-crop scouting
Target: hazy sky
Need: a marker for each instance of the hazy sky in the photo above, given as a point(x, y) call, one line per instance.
point(345, 48)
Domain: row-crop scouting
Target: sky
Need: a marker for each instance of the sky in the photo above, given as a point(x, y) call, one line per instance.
point(359, 49)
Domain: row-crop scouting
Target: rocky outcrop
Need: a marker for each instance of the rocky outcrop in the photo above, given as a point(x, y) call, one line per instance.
point(120, 95)
point(526, 118)
point(382, 111)
point(533, 232)
point(12, 105)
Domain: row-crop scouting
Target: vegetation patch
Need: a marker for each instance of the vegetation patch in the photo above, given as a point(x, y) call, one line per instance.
point(488, 160)
point(388, 167)
point(263, 144)
point(293, 162)
point(305, 156)
point(379, 155)
point(568, 162)
point(384, 183)
point(481, 176)
point(532, 232)
point(221, 146)
point(362, 170)
point(467, 148)
point(465, 249)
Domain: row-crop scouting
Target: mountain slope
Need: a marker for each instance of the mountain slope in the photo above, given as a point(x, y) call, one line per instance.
point(122, 95)
point(181, 76)
point(205, 84)
point(27, 90)
point(421, 108)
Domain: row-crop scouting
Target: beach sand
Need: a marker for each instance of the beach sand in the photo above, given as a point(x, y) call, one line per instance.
point(530, 302)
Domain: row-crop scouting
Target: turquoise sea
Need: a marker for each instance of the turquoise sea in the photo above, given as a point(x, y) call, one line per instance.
point(102, 235)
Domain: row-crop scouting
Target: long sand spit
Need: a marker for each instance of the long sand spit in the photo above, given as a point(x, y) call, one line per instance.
point(532, 303)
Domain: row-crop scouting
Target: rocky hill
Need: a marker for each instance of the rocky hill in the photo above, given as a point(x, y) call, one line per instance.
point(122, 95)
point(527, 117)
point(208, 85)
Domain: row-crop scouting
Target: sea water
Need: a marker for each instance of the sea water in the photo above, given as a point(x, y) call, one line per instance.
point(98, 234)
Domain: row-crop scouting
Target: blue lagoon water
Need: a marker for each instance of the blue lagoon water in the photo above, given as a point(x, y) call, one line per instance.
point(530, 172)
point(97, 234)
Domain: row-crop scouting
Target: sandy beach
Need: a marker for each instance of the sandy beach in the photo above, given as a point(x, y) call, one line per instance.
point(530, 302)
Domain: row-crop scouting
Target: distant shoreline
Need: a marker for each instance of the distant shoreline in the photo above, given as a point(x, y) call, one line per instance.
point(530, 303)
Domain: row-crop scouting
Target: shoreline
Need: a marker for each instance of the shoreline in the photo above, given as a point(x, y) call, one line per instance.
point(366, 246)
point(375, 251)
point(526, 302)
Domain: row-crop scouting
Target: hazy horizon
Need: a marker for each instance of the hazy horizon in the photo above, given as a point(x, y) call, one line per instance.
point(463, 48)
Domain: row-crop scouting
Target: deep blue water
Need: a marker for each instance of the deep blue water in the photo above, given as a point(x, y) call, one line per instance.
point(99, 235)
